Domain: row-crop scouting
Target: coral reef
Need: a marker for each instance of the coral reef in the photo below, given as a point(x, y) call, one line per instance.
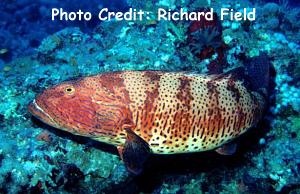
point(205, 37)
point(280, 18)
point(205, 42)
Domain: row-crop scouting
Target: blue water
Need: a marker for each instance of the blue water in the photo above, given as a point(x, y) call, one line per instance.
point(36, 53)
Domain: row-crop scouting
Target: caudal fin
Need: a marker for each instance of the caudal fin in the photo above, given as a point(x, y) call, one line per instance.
point(257, 70)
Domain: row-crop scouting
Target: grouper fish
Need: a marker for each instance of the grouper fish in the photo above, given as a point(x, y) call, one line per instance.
point(143, 112)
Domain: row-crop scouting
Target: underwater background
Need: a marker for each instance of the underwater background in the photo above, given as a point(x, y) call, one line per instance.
point(36, 53)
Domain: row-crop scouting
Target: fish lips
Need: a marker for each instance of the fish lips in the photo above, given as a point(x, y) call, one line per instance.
point(40, 114)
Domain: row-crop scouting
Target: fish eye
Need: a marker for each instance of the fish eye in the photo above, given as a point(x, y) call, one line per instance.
point(69, 90)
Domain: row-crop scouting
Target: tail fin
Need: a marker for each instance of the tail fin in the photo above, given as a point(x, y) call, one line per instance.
point(257, 70)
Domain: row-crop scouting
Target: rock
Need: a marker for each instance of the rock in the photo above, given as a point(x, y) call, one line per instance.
point(72, 175)
point(270, 9)
point(272, 23)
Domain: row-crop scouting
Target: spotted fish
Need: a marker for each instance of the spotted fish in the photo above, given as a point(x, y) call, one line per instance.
point(144, 112)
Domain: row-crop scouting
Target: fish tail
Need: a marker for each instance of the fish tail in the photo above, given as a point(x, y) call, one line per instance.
point(257, 70)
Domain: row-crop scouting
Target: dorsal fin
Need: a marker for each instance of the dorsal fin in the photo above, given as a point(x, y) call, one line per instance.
point(237, 73)
point(254, 74)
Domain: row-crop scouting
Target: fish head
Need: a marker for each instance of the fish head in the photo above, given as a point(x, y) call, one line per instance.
point(57, 104)
point(81, 107)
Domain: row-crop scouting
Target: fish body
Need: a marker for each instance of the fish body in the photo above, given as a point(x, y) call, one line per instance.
point(168, 112)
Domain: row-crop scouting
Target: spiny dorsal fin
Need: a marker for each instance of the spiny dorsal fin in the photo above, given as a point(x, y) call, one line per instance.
point(236, 73)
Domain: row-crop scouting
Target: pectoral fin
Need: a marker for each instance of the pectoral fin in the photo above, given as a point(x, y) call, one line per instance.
point(134, 153)
point(227, 149)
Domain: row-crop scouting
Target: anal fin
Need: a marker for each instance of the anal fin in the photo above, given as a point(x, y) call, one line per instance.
point(227, 149)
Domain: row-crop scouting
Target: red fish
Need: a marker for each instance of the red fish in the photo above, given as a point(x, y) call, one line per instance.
point(144, 112)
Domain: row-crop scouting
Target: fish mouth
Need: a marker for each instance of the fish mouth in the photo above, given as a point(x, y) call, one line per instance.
point(40, 114)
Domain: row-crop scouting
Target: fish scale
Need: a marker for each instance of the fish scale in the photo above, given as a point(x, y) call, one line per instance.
point(188, 117)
